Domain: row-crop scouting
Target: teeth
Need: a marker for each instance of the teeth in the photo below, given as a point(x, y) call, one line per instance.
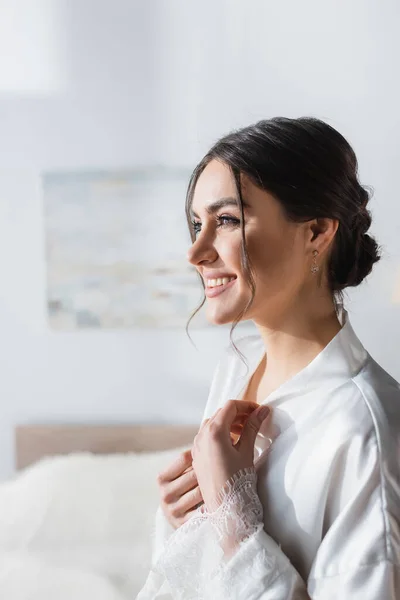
point(220, 281)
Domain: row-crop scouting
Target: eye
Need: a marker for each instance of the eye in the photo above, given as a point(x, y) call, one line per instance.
point(222, 221)
point(226, 220)
point(196, 227)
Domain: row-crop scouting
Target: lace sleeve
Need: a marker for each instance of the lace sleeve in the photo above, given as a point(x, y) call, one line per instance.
point(224, 553)
point(198, 558)
point(237, 513)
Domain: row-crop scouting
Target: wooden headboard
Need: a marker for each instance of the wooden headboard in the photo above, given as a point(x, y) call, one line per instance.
point(33, 442)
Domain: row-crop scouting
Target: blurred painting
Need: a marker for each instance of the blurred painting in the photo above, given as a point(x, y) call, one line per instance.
point(116, 246)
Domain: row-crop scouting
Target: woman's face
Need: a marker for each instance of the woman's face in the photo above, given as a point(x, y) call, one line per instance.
point(279, 250)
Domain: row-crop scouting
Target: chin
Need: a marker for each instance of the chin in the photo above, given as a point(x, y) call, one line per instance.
point(220, 317)
point(219, 321)
point(225, 308)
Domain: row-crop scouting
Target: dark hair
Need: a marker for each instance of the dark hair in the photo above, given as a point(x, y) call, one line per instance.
point(311, 169)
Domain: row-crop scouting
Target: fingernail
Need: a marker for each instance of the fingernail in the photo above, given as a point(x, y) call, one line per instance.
point(263, 413)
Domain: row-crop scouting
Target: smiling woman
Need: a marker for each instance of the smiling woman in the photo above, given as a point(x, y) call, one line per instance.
point(267, 199)
point(306, 502)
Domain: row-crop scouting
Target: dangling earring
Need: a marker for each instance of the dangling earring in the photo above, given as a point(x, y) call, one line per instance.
point(314, 266)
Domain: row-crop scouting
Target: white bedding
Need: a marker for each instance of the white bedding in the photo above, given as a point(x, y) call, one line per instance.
point(79, 526)
point(29, 576)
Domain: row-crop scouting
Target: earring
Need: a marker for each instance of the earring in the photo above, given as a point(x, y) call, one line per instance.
point(315, 267)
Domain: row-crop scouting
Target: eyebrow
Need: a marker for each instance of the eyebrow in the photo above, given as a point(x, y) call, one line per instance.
point(221, 203)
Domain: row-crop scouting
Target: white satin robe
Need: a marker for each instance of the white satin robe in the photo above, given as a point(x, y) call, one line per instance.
point(329, 484)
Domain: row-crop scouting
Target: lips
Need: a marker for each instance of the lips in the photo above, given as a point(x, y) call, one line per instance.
point(211, 292)
point(216, 274)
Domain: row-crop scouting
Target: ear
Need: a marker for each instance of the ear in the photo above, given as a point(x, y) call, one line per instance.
point(320, 233)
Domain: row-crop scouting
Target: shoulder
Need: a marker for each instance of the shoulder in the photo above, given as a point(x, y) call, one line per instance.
point(374, 382)
point(357, 435)
point(379, 395)
point(380, 400)
point(370, 423)
point(368, 402)
point(362, 443)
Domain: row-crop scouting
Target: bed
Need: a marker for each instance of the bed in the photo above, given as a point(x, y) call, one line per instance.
point(76, 519)
point(33, 442)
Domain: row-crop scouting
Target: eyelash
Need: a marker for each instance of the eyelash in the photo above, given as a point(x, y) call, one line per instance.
point(231, 222)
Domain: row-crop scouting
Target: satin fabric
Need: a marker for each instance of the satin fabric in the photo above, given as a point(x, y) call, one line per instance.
point(328, 478)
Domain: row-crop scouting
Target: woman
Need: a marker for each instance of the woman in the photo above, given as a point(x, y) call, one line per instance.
point(303, 503)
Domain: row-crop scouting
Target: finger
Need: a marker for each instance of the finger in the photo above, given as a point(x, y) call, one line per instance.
point(231, 412)
point(244, 409)
point(241, 416)
point(182, 462)
point(206, 421)
point(243, 406)
point(240, 419)
point(190, 514)
point(252, 427)
point(239, 423)
point(189, 500)
point(234, 438)
point(237, 428)
point(177, 488)
point(238, 408)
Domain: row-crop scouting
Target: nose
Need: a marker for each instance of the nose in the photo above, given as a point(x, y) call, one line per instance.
point(202, 251)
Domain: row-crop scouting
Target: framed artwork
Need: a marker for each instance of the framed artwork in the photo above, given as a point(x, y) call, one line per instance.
point(116, 246)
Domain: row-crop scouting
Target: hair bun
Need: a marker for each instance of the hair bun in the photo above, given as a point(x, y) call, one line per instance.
point(364, 197)
point(363, 217)
point(358, 251)
point(366, 255)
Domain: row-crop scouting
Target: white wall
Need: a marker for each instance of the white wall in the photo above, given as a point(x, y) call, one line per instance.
point(157, 82)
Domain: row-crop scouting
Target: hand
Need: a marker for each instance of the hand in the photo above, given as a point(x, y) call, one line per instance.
point(179, 489)
point(180, 493)
point(215, 457)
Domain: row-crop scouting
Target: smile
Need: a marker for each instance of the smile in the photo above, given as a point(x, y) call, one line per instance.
point(221, 285)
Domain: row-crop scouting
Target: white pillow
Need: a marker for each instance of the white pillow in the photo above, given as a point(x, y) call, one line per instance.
point(92, 512)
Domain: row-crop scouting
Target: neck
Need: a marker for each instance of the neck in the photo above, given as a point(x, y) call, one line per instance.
point(294, 337)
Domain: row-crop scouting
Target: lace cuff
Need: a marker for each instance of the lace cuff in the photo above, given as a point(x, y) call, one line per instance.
point(195, 560)
point(237, 513)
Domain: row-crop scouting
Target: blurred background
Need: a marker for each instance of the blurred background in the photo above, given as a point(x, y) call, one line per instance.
point(124, 84)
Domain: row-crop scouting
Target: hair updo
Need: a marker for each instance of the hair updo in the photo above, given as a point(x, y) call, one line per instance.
point(354, 251)
point(312, 171)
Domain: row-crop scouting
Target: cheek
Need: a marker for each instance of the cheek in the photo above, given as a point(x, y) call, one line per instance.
point(229, 249)
point(276, 260)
